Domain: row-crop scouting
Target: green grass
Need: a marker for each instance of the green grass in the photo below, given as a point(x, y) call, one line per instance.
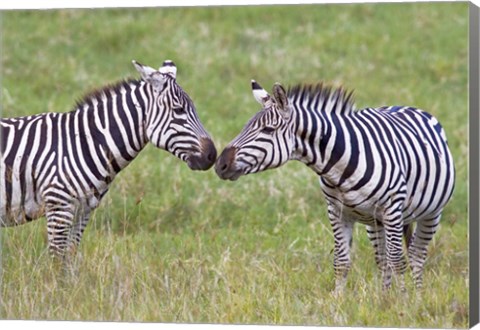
point(171, 245)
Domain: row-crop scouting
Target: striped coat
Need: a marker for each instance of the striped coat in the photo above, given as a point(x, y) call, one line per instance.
point(60, 165)
point(384, 167)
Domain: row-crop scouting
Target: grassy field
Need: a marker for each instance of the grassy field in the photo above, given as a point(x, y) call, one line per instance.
point(171, 245)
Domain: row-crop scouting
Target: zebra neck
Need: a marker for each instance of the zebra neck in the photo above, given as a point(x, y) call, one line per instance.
point(321, 141)
point(112, 124)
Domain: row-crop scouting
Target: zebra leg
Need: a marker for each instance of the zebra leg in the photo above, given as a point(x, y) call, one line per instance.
point(342, 232)
point(417, 251)
point(60, 217)
point(66, 221)
point(81, 221)
point(376, 234)
point(396, 264)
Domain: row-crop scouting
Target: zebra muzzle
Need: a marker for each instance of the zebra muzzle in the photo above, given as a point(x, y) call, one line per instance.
point(206, 158)
point(225, 165)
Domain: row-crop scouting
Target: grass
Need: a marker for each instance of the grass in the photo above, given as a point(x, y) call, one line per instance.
point(171, 245)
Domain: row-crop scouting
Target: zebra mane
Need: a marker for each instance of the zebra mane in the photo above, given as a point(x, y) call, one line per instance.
point(98, 93)
point(318, 96)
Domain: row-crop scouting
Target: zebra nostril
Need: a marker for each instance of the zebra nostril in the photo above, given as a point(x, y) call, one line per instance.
point(225, 162)
point(221, 166)
point(211, 156)
point(209, 150)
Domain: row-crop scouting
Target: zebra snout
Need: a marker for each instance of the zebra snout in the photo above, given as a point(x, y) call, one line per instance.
point(206, 158)
point(224, 166)
point(211, 152)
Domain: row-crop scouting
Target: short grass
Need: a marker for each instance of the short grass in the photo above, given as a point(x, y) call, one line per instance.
point(171, 245)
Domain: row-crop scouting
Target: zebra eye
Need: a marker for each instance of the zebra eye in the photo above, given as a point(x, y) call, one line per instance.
point(178, 110)
point(268, 130)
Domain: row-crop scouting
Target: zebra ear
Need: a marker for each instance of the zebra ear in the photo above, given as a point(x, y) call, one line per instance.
point(259, 93)
point(151, 76)
point(145, 71)
point(281, 99)
point(168, 67)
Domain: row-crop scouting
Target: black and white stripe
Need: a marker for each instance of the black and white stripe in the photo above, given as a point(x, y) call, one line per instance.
point(61, 164)
point(385, 167)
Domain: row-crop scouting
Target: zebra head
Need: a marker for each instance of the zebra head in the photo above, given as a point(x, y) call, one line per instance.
point(265, 142)
point(171, 120)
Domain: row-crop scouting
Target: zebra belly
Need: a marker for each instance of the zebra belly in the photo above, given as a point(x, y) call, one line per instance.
point(371, 211)
point(21, 214)
point(354, 206)
point(365, 213)
point(19, 205)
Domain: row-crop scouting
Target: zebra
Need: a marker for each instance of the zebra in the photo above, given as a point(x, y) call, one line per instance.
point(384, 167)
point(60, 165)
